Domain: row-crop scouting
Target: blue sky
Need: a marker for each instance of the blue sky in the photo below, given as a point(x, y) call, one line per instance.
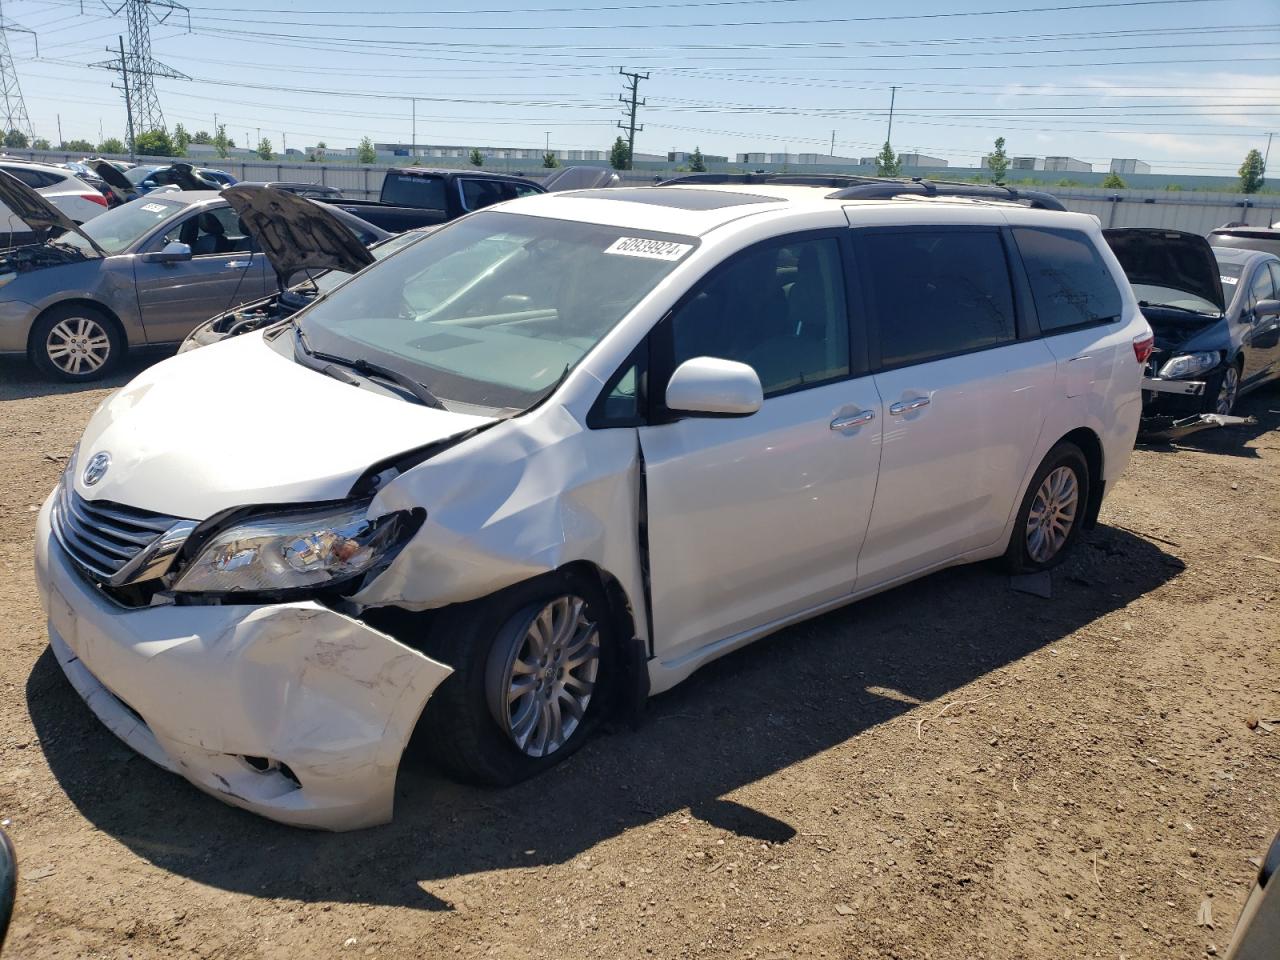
point(1188, 85)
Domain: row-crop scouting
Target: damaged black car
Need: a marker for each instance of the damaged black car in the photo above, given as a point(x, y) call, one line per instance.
point(1215, 313)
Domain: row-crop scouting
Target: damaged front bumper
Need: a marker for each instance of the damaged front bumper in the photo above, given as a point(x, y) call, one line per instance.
point(290, 710)
point(1177, 388)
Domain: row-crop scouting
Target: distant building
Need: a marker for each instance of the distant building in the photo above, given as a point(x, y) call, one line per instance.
point(1068, 164)
point(1015, 163)
point(919, 160)
point(427, 151)
point(1130, 166)
point(680, 156)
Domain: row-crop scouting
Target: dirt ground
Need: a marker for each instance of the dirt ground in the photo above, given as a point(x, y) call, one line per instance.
point(950, 770)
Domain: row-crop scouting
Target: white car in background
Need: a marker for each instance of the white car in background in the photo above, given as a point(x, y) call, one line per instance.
point(76, 199)
point(559, 454)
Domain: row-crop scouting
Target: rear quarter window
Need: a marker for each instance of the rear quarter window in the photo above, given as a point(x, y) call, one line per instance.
point(1070, 284)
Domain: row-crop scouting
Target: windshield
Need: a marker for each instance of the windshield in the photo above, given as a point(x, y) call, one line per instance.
point(137, 174)
point(1229, 274)
point(117, 230)
point(495, 308)
point(1157, 296)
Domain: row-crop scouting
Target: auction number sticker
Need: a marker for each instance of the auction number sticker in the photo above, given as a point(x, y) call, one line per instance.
point(1232, 281)
point(154, 207)
point(649, 249)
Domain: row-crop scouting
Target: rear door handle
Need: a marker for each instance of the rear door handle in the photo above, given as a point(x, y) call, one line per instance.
point(853, 420)
point(906, 406)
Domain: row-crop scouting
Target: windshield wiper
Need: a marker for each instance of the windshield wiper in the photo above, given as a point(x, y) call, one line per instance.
point(417, 390)
point(1171, 306)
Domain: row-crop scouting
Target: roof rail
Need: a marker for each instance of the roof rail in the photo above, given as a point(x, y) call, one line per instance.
point(851, 187)
point(878, 189)
point(836, 180)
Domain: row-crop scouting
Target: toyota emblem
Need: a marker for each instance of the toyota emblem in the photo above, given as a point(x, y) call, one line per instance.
point(96, 468)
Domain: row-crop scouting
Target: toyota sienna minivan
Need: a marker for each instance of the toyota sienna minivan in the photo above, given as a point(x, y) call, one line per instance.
point(558, 455)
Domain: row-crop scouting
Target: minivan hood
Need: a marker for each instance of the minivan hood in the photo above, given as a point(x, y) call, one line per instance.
point(117, 181)
point(238, 424)
point(1168, 258)
point(40, 216)
point(296, 234)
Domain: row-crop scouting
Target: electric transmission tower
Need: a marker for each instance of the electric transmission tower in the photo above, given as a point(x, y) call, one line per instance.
point(137, 67)
point(629, 100)
point(15, 109)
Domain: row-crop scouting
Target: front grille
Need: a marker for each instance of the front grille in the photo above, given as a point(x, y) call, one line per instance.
point(102, 537)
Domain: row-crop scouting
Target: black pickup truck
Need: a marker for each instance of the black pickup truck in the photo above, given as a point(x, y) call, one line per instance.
point(420, 196)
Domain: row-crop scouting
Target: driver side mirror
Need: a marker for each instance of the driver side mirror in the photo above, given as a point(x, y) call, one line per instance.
point(174, 252)
point(712, 387)
point(1267, 308)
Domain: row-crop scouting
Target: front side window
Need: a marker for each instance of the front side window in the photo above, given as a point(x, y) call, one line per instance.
point(779, 308)
point(1070, 283)
point(494, 309)
point(938, 293)
point(210, 233)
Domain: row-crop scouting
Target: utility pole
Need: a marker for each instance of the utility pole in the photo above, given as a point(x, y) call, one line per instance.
point(59, 118)
point(1267, 155)
point(893, 93)
point(633, 87)
point(15, 108)
point(833, 143)
point(413, 147)
point(548, 149)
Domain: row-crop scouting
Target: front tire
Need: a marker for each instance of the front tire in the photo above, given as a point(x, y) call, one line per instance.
point(532, 665)
point(1052, 512)
point(1223, 391)
point(76, 343)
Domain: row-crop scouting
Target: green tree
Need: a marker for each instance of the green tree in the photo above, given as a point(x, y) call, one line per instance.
point(549, 160)
point(221, 143)
point(1173, 187)
point(181, 140)
point(366, 152)
point(696, 163)
point(111, 145)
point(620, 155)
point(1114, 181)
point(264, 149)
point(998, 161)
point(18, 140)
point(1251, 172)
point(202, 137)
point(888, 163)
point(477, 158)
point(77, 146)
point(40, 143)
point(154, 143)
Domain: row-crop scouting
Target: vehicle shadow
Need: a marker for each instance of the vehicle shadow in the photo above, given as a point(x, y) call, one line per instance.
point(785, 699)
point(1262, 404)
point(19, 380)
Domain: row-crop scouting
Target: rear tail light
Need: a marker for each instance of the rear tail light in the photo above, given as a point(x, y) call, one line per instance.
point(95, 197)
point(1142, 347)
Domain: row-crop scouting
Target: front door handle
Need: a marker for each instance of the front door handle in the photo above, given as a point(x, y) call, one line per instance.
point(853, 420)
point(236, 264)
point(906, 406)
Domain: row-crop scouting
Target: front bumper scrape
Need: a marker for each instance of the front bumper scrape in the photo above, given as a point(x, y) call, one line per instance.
point(292, 710)
point(1177, 388)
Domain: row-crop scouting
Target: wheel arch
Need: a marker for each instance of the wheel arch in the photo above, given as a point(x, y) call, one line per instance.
point(1091, 446)
point(97, 305)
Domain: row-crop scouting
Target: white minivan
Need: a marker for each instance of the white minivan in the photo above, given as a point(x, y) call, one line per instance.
point(558, 455)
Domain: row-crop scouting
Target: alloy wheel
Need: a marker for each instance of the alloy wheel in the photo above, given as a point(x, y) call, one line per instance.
point(78, 345)
point(1053, 513)
point(542, 674)
point(1227, 392)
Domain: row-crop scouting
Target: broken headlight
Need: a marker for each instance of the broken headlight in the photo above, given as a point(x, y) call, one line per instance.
point(1189, 365)
point(298, 550)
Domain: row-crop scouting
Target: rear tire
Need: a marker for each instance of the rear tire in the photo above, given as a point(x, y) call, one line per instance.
point(1052, 512)
point(515, 706)
point(76, 343)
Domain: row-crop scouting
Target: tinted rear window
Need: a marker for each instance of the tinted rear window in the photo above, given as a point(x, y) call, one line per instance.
point(1070, 283)
point(939, 293)
point(405, 190)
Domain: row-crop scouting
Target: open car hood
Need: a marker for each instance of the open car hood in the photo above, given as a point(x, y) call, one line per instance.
point(40, 216)
point(296, 234)
point(1168, 258)
point(580, 178)
point(117, 181)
